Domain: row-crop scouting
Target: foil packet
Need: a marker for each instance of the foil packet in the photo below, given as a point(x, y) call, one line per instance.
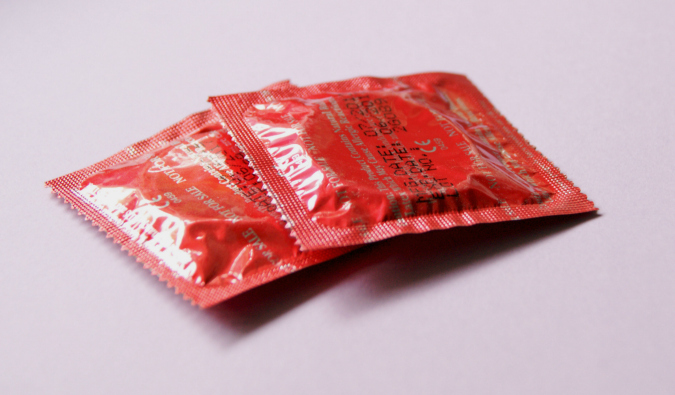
point(357, 161)
point(187, 205)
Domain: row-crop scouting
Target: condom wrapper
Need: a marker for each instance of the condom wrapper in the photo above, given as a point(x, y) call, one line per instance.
point(361, 160)
point(188, 206)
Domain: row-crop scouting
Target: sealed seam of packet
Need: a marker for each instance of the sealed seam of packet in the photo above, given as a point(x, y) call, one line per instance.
point(361, 160)
point(186, 204)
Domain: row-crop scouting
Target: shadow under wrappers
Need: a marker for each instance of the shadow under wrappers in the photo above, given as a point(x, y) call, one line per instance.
point(400, 263)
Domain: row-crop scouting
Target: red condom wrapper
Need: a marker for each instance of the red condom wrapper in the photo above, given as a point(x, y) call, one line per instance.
point(187, 205)
point(361, 160)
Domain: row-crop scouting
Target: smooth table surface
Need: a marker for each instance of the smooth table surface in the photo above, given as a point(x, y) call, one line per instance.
point(575, 305)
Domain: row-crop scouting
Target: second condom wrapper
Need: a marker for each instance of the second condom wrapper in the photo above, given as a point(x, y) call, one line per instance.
point(357, 161)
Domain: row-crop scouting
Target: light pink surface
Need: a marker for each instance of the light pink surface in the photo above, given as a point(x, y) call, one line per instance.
point(582, 305)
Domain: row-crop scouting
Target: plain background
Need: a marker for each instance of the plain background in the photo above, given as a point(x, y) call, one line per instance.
point(577, 305)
